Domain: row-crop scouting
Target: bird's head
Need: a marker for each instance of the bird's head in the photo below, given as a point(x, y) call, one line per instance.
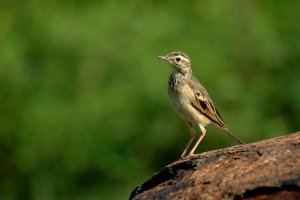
point(180, 61)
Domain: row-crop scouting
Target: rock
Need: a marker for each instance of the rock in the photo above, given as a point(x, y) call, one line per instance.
point(269, 169)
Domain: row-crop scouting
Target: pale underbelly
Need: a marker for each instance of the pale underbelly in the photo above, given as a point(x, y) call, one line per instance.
point(187, 112)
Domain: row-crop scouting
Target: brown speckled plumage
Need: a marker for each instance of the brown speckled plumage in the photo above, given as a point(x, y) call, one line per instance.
point(190, 99)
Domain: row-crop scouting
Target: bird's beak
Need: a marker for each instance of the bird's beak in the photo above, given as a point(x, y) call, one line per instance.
point(163, 57)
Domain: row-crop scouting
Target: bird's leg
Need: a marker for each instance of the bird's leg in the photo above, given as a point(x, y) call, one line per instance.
point(203, 133)
point(193, 133)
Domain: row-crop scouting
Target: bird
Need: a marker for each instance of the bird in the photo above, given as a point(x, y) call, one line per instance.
point(191, 101)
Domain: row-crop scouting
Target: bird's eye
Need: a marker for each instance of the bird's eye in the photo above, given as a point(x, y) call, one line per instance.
point(178, 59)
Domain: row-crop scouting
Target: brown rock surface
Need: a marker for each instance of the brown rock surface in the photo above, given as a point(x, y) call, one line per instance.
point(268, 169)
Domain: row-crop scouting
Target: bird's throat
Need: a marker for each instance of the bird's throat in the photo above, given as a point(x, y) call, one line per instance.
point(183, 72)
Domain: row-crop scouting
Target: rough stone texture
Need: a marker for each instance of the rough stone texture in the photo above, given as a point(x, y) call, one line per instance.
point(268, 169)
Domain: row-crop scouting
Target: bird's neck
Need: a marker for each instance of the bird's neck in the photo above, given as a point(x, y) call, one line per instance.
point(182, 72)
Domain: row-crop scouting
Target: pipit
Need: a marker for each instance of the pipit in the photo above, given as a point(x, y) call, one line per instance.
point(190, 99)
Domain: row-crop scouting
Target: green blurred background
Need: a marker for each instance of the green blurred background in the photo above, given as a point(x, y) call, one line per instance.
point(84, 111)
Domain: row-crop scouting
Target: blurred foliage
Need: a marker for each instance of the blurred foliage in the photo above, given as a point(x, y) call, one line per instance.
point(84, 112)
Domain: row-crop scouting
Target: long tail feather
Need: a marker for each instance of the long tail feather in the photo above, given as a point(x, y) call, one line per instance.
point(233, 136)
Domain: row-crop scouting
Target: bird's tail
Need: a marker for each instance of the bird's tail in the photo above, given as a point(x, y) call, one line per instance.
point(233, 136)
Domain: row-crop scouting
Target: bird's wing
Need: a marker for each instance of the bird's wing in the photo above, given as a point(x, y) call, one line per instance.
point(203, 103)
